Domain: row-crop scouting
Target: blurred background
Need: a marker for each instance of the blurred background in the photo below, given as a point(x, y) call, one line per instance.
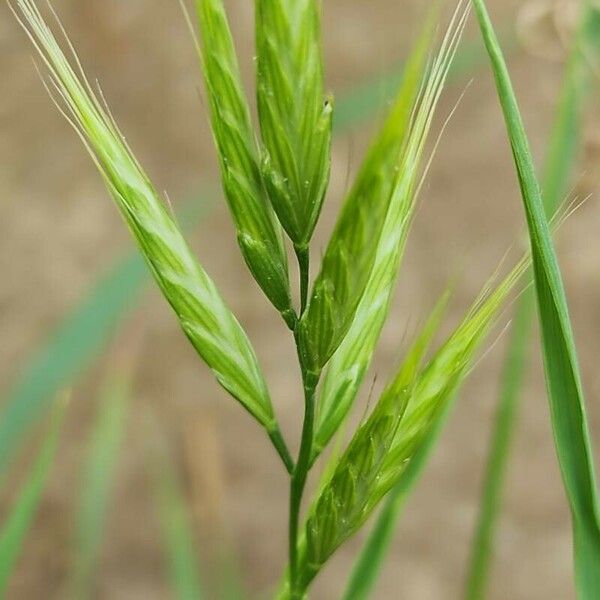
point(77, 311)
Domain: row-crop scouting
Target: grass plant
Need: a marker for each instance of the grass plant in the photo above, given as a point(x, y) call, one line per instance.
point(275, 177)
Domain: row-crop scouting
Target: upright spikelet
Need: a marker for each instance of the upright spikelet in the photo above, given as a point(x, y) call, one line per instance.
point(382, 448)
point(259, 233)
point(295, 118)
point(350, 254)
point(346, 370)
point(208, 323)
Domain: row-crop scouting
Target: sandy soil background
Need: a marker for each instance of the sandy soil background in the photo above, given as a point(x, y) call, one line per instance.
point(59, 233)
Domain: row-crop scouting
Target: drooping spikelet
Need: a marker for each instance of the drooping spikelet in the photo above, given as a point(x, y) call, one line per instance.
point(210, 326)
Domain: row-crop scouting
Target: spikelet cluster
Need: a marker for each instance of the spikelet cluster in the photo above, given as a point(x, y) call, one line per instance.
point(381, 450)
point(346, 369)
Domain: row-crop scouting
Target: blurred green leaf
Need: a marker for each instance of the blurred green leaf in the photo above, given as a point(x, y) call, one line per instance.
point(175, 522)
point(77, 342)
point(563, 378)
point(17, 524)
point(97, 483)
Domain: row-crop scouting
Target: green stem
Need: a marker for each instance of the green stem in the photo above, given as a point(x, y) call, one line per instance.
point(303, 255)
point(298, 481)
point(282, 449)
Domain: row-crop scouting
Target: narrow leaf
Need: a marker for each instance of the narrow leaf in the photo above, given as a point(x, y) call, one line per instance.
point(563, 379)
point(295, 118)
point(259, 234)
point(175, 522)
point(210, 326)
point(563, 151)
point(97, 483)
point(17, 524)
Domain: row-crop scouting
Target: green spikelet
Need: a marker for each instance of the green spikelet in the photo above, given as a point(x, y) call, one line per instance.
point(210, 326)
point(349, 364)
point(259, 234)
point(295, 117)
point(350, 254)
point(382, 448)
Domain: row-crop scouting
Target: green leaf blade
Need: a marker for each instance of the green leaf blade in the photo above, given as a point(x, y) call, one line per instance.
point(73, 346)
point(563, 379)
point(564, 147)
point(175, 522)
point(97, 482)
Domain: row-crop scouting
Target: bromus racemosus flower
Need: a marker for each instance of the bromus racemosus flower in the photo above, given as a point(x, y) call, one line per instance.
point(382, 448)
point(347, 368)
point(275, 176)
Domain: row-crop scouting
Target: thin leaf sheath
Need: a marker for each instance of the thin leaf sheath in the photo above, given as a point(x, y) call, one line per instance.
point(563, 378)
point(350, 362)
point(259, 234)
point(351, 252)
point(210, 326)
point(381, 450)
point(295, 117)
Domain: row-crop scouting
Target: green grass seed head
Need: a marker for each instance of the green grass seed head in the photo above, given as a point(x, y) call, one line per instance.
point(259, 234)
point(350, 254)
point(210, 326)
point(382, 448)
point(295, 117)
point(346, 370)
